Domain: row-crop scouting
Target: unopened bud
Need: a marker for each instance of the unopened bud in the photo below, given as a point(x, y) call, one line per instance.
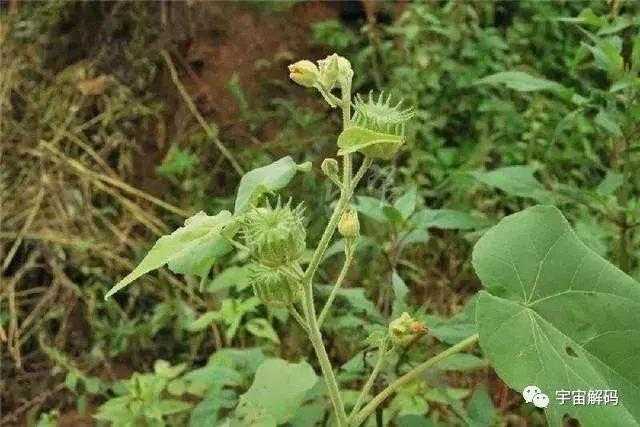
point(304, 72)
point(334, 69)
point(349, 225)
point(331, 169)
point(405, 328)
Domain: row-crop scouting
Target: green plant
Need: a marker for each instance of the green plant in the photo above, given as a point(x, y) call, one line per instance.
point(538, 277)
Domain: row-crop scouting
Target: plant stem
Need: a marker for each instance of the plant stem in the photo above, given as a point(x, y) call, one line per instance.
point(410, 376)
point(298, 318)
point(343, 272)
point(382, 350)
point(323, 358)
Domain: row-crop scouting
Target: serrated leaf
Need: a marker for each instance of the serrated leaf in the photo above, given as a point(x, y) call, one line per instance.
point(520, 81)
point(557, 315)
point(203, 321)
point(265, 179)
point(261, 328)
point(190, 249)
point(232, 277)
point(278, 390)
point(373, 144)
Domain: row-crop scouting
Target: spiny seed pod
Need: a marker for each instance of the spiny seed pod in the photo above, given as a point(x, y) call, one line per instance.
point(275, 235)
point(405, 328)
point(274, 287)
point(349, 225)
point(304, 72)
point(378, 128)
point(380, 115)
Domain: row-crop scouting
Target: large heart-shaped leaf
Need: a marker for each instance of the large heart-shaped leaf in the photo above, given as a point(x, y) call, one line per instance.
point(558, 316)
point(190, 249)
point(278, 390)
point(257, 182)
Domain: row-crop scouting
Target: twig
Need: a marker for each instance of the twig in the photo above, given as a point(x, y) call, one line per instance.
point(298, 317)
point(337, 286)
point(382, 350)
point(25, 228)
point(194, 110)
point(410, 376)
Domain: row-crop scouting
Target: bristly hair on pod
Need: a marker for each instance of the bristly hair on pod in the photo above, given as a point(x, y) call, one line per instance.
point(380, 115)
point(277, 234)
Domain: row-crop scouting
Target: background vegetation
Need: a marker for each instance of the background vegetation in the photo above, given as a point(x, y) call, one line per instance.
point(120, 119)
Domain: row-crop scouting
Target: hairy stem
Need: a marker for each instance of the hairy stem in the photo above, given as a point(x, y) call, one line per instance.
point(410, 376)
point(382, 350)
point(298, 317)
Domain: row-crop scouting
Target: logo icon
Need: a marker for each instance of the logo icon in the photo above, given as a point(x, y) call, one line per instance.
point(533, 394)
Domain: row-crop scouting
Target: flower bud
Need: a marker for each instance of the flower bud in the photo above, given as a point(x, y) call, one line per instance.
point(277, 235)
point(334, 69)
point(305, 73)
point(331, 169)
point(405, 328)
point(349, 225)
point(273, 286)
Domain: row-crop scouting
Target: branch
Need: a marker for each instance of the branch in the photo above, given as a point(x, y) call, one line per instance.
point(410, 376)
point(343, 272)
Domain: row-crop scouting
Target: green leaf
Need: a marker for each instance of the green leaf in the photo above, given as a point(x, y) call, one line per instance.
point(522, 82)
point(190, 249)
point(206, 412)
point(393, 216)
point(448, 219)
point(451, 331)
point(203, 321)
point(556, 315)
point(515, 180)
point(170, 406)
point(480, 409)
point(278, 390)
point(266, 179)
point(373, 144)
point(357, 299)
point(400, 292)
point(607, 56)
point(261, 328)
point(232, 277)
point(373, 208)
point(177, 162)
point(406, 203)
point(586, 17)
point(610, 183)
point(214, 375)
point(604, 120)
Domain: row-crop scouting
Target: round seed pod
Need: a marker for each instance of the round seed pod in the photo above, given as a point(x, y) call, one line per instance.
point(274, 287)
point(275, 235)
